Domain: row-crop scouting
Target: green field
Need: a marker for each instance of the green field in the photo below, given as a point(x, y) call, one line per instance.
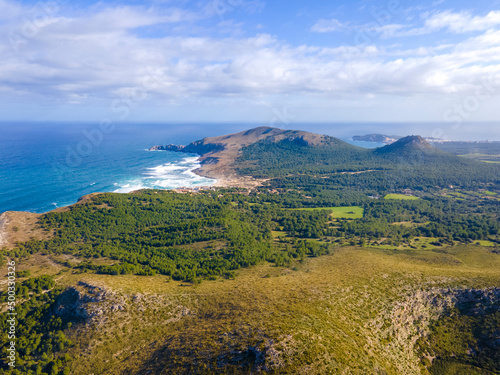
point(278, 233)
point(487, 192)
point(351, 212)
point(400, 197)
point(485, 243)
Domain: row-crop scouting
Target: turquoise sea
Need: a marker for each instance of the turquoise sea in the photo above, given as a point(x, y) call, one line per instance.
point(48, 165)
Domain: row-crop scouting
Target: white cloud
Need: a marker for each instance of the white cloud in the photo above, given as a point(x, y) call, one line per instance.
point(9, 10)
point(80, 59)
point(452, 22)
point(325, 26)
point(462, 22)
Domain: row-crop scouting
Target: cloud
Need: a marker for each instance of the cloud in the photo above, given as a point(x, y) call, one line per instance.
point(325, 26)
point(451, 22)
point(462, 22)
point(9, 10)
point(221, 7)
point(100, 56)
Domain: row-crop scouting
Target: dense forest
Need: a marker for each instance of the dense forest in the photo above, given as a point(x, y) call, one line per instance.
point(211, 234)
point(39, 331)
point(397, 166)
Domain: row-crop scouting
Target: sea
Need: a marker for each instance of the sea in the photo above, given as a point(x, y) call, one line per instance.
point(45, 165)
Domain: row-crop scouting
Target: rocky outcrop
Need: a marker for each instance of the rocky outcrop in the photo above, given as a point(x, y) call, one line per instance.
point(88, 303)
point(176, 148)
point(3, 231)
point(397, 330)
point(265, 355)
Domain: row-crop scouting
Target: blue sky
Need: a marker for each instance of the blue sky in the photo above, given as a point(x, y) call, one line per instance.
point(251, 60)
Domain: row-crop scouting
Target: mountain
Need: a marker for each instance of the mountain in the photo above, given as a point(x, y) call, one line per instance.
point(245, 158)
point(408, 145)
point(234, 142)
point(387, 139)
point(220, 155)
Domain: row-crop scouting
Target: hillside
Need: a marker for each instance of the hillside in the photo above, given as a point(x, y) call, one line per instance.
point(218, 154)
point(405, 164)
point(245, 158)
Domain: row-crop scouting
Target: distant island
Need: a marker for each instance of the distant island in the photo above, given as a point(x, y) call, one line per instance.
point(378, 138)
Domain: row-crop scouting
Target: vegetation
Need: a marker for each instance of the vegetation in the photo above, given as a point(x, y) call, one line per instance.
point(386, 170)
point(464, 341)
point(314, 272)
point(400, 197)
point(470, 148)
point(39, 332)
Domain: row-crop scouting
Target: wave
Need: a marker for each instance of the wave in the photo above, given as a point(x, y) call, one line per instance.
point(172, 175)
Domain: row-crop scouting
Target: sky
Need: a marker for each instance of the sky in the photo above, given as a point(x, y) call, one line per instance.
point(269, 62)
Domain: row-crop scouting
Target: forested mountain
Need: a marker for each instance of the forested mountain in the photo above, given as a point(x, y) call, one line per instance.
point(266, 152)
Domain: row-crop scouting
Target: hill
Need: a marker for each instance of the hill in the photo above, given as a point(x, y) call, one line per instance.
point(230, 281)
point(218, 154)
point(269, 153)
point(387, 139)
point(408, 145)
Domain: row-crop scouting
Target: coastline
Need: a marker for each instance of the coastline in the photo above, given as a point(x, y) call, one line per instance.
point(18, 226)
